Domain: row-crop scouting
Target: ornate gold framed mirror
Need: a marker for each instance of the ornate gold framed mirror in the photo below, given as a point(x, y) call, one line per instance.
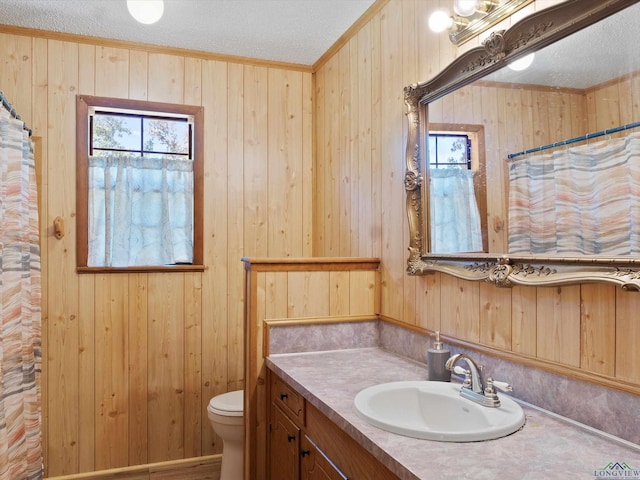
point(549, 115)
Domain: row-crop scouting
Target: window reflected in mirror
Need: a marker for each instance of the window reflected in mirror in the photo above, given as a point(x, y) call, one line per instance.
point(583, 84)
point(457, 188)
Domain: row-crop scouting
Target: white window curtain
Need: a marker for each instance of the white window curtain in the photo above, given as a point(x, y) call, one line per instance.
point(20, 306)
point(454, 215)
point(140, 211)
point(583, 200)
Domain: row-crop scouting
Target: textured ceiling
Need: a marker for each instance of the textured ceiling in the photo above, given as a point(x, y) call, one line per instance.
point(292, 31)
point(589, 57)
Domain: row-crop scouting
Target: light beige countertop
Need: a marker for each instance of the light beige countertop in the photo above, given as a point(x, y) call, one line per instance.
point(547, 448)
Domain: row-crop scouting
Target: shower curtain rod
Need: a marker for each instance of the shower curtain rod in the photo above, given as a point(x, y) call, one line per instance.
point(12, 111)
point(576, 139)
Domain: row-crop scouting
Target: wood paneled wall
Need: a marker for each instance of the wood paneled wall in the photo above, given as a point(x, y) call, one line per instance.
point(301, 290)
point(133, 359)
point(361, 134)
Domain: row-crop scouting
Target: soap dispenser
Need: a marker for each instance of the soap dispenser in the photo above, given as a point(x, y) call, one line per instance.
point(436, 359)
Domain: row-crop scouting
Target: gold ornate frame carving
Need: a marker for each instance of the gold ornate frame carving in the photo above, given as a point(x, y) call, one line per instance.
point(532, 33)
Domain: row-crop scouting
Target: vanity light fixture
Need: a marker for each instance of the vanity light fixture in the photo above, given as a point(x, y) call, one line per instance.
point(439, 21)
point(471, 17)
point(146, 11)
point(465, 8)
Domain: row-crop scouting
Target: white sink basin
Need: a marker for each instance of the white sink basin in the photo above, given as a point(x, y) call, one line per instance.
point(436, 411)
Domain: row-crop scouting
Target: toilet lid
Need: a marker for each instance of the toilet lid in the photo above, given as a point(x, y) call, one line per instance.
point(230, 404)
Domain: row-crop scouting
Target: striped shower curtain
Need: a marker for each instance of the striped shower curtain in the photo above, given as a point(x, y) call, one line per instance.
point(579, 201)
point(20, 321)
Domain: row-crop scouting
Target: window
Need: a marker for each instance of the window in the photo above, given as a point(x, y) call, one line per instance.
point(449, 150)
point(457, 188)
point(139, 179)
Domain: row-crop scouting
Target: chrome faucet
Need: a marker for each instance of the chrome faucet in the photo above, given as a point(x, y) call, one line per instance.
point(472, 388)
point(473, 379)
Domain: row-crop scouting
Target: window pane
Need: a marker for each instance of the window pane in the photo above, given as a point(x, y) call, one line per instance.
point(116, 131)
point(432, 152)
point(166, 136)
point(450, 151)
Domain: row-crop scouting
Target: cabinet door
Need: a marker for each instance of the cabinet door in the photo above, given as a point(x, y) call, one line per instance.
point(315, 465)
point(290, 401)
point(284, 454)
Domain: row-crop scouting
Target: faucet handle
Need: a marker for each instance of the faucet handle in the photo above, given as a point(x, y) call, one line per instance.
point(490, 391)
point(491, 383)
point(504, 386)
point(458, 370)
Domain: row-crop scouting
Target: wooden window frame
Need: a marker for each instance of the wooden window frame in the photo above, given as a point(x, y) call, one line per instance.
point(83, 104)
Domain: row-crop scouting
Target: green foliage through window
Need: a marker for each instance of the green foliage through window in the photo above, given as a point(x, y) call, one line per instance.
point(138, 134)
point(447, 150)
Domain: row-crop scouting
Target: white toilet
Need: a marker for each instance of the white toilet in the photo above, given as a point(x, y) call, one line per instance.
point(225, 413)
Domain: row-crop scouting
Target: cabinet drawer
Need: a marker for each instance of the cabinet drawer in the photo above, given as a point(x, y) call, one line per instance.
point(284, 445)
point(288, 399)
point(315, 465)
point(345, 453)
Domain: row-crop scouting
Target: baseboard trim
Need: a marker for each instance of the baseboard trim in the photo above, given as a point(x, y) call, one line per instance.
point(197, 468)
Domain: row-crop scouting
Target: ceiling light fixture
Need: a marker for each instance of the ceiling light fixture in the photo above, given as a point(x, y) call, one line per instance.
point(146, 11)
point(522, 63)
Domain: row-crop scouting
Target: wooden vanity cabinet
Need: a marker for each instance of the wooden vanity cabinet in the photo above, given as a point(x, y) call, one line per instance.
point(305, 445)
point(285, 446)
point(315, 465)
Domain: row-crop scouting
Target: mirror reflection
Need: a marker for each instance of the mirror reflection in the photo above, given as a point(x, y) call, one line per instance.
point(543, 160)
